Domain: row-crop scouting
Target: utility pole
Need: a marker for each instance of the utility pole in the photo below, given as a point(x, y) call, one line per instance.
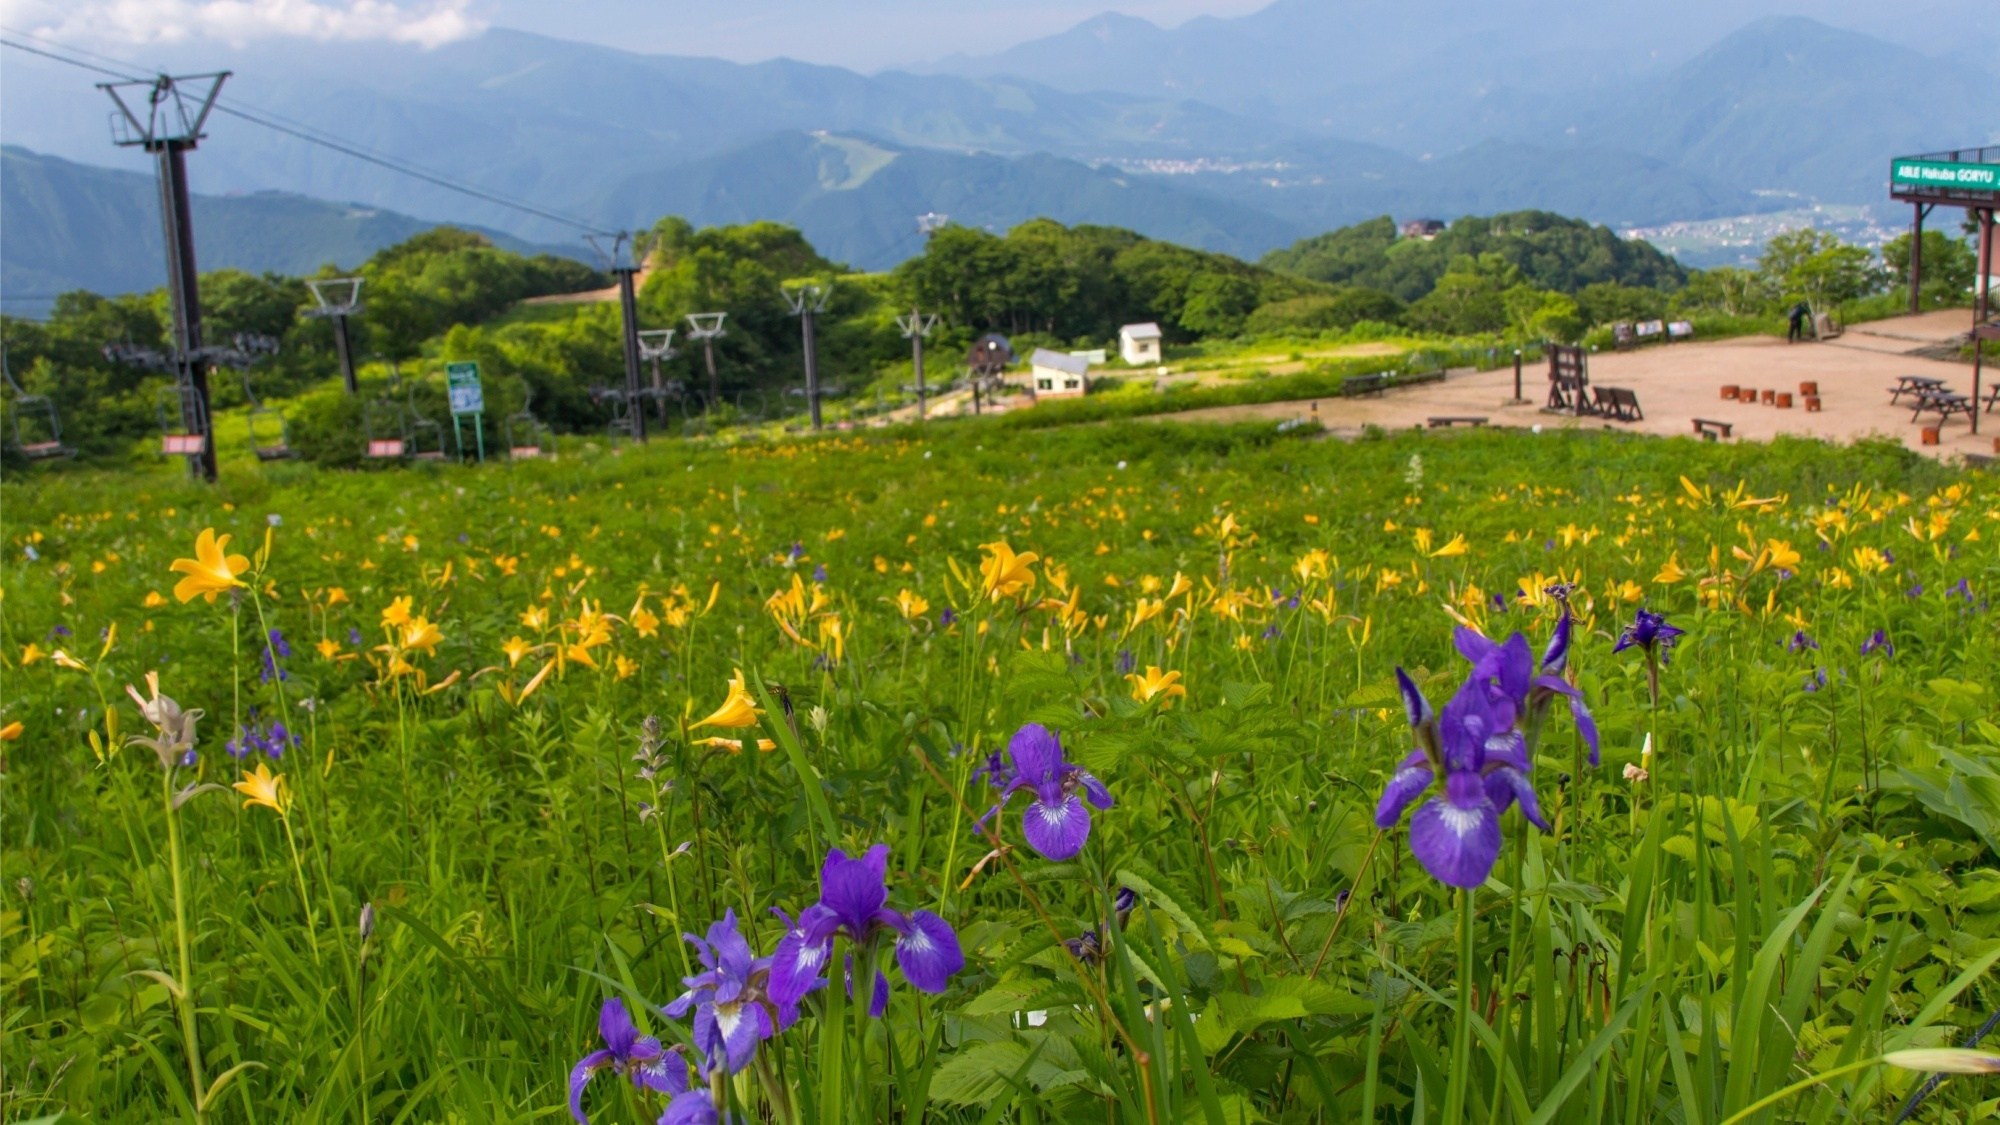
point(707, 327)
point(337, 299)
point(915, 327)
point(624, 267)
point(168, 125)
point(807, 301)
point(656, 344)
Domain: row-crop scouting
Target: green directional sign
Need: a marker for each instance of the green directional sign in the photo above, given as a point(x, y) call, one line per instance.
point(462, 383)
point(1945, 174)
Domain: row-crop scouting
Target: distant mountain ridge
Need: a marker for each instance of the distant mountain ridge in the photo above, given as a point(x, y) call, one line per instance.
point(73, 226)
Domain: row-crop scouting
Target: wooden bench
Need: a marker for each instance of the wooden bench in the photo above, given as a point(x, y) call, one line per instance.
point(1355, 386)
point(1913, 385)
point(1618, 403)
point(1992, 398)
point(1710, 430)
point(1944, 404)
point(1446, 420)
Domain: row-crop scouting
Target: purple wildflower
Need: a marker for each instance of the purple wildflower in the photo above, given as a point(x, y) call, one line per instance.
point(1878, 642)
point(1650, 633)
point(1483, 763)
point(1126, 661)
point(1800, 642)
point(946, 616)
point(1056, 823)
point(626, 1052)
point(819, 572)
point(852, 904)
point(732, 1011)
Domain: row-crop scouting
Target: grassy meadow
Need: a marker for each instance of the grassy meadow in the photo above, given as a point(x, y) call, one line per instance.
point(477, 745)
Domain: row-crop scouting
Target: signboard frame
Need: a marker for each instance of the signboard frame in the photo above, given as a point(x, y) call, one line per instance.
point(468, 397)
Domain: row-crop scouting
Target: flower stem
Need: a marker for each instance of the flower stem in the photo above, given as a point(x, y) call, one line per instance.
point(186, 978)
point(1461, 1047)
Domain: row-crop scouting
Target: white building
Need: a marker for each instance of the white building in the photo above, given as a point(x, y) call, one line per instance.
point(1139, 344)
point(1056, 374)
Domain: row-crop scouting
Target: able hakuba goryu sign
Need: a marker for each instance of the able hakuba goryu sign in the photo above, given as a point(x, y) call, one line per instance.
point(462, 384)
point(1945, 174)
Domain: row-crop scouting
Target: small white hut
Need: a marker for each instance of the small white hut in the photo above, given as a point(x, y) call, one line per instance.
point(1139, 344)
point(1057, 375)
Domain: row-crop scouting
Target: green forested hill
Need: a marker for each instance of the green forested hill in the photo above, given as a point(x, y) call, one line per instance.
point(1551, 252)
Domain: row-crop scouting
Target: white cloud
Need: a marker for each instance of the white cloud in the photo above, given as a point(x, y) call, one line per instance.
point(427, 23)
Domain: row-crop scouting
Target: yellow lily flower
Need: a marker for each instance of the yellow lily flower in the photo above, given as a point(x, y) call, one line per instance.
point(328, 648)
point(420, 634)
point(210, 571)
point(398, 613)
point(153, 600)
point(32, 654)
point(12, 731)
point(1004, 574)
point(266, 789)
point(516, 648)
point(735, 745)
point(1153, 683)
point(1457, 546)
point(335, 596)
point(738, 708)
point(644, 623)
point(910, 605)
point(1671, 571)
point(65, 660)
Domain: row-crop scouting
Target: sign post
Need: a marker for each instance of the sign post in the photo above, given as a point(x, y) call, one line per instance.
point(467, 397)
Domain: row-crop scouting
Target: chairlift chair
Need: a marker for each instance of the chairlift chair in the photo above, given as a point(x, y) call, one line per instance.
point(621, 424)
point(426, 435)
point(183, 421)
point(36, 443)
point(270, 431)
point(384, 425)
point(526, 436)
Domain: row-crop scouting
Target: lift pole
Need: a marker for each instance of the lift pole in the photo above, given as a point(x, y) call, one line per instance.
point(915, 327)
point(707, 327)
point(808, 301)
point(624, 267)
point(168, 125)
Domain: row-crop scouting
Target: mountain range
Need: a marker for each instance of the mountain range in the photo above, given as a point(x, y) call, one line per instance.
point(1236, 134)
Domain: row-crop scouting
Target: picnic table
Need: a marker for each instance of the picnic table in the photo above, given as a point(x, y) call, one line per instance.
point(1914, 385)
point(1943, 403)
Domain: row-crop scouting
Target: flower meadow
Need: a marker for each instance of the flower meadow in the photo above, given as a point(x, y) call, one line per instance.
point(1135, 773)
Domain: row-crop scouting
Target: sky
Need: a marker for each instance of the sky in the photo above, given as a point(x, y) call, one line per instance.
point(864, 35)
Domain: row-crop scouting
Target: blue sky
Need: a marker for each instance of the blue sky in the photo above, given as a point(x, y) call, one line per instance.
point(862, 34)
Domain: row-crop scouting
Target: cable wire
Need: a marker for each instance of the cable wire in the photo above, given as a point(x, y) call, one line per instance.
point(313, 135)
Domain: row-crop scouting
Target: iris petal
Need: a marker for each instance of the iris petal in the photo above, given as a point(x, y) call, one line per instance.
point(579, 1077)
point(1407, 785)
point(854, 889)
point(1056, 829)
point(928, 952)
point(1037, 754)
point(1457, 844)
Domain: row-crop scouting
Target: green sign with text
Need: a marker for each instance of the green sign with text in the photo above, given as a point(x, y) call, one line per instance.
point(1945, 174)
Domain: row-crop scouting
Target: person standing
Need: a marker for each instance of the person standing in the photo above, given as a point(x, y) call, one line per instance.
point(1798, 317)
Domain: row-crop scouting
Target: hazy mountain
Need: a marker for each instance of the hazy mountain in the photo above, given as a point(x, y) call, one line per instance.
point(1793, 105)
point(71, 226)
point(856, 198)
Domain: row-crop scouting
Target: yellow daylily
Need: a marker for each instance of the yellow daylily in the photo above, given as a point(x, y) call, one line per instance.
point(420, 634)
point(398, 613)
point(1455, 547)
point(1670, 571)
point(65, 660)
point(12, 731)
point(154, 600)
point(516, 648)
point(738, 708)
point(32, 654)
point(1004, 574)
point(1155, 684)
point(266, 789)
point(910, 605)
point(328, 648)
point(335, 596)
point(735, 745)
point(210, 571)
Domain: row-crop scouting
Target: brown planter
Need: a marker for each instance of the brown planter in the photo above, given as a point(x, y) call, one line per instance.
point(1770, 397)
point(1729, 392)
point(1812, 404)
point(1808, 388)
point(1930, 435)
point(1784, 400)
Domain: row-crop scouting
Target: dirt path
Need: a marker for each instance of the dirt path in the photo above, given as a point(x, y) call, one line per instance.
point(1678, 383)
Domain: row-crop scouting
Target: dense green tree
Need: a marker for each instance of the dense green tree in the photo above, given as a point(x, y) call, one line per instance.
point(1552, 252)
point(1608, 302)
point(1949, 267)
point(1342, 310)
point(1817, 267)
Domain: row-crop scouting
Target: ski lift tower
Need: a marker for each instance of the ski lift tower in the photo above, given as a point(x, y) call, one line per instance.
point(707, 327)
point(915, 327)
point(167, 124)
point(807, 300)
point(656, 344)
point(336, 299)
point(622, 264)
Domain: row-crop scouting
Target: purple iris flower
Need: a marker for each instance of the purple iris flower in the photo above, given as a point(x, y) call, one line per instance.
point(1484, 766)
point(1650, 632)
point(1056, 823)
point(1088, 946)
point(819, 573)
point(1800, 642)
point(1126, 661)
point(946, 616)
point(1817, 680)
point(275, 649)
point(626, 1052)
point(852, 903)
point(1528, 689)
point(353, 635)
point(1915, 591)
point(732, 1013)
point(1878, 642)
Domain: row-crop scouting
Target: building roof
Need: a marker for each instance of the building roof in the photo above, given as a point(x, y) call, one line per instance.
point(1146, 331)
point(1074, 365)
